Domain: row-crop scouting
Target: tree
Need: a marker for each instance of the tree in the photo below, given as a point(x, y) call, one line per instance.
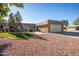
point(11, 20)
point(76, 22)
point(18, 20)
point(5, 8)
point(14, 21)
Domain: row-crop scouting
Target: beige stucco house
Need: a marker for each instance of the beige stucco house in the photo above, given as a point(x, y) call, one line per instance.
point(73, 28)
point(50, 26)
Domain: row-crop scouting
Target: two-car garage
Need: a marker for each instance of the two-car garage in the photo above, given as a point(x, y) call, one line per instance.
point(55, 28)
point(50, 26)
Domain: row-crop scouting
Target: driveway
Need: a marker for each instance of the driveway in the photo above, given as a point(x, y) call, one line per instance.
point(50, 44)
point(70, 34)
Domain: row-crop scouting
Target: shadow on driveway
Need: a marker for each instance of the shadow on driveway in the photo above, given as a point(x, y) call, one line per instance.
point(39, 37)
point(70, 33)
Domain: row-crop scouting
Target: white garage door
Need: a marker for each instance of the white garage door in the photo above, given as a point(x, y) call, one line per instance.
point(55, 28)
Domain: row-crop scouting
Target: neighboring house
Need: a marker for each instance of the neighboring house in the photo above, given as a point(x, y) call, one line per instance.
point(73, 28)
point(50, 26)
point(4, 27)
point(46, 26)
point(26, 26)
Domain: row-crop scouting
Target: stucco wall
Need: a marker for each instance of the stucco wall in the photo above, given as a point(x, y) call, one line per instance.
point(50, 28)
point(43, 28)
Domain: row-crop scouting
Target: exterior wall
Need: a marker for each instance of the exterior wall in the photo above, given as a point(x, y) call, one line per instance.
point(6, 28)
point(64, 27)
point(48, 28)
point(72, 29)
point(24, 28)
point(43, 28)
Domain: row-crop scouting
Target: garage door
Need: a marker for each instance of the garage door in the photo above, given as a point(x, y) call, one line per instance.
point(55, 28)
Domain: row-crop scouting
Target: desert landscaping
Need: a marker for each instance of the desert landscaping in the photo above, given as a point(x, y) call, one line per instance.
point(40, 45)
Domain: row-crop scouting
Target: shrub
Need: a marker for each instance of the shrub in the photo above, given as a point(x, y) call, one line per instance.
point(29, 29)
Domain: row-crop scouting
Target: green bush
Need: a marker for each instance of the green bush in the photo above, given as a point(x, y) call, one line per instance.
point(29, 29)
point(16, 35)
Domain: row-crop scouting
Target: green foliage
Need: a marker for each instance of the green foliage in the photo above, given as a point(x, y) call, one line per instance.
point(14, 19)
point(5, 8)
point(21, 35)
point(76, 22)
point(3, 21)
point(16, 35)
point(17, 5)
point(29, 29)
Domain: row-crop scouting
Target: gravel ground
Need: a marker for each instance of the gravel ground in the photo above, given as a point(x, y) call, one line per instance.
point(40, 45)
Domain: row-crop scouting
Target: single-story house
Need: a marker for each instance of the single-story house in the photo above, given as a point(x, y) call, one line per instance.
point(26, 26)
point(4, 27)
point(45, 26)
point(73, 28)
point(50, 26)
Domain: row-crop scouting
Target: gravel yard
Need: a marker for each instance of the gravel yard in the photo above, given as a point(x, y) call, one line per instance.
point(40, 45)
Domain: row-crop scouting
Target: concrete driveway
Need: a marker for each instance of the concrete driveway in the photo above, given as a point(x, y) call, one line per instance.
point(50, 44)
point(74, 35)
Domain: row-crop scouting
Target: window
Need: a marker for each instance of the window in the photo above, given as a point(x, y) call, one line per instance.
point(21, 27)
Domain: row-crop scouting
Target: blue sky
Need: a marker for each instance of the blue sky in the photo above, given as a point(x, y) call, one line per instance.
point(34, 13)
